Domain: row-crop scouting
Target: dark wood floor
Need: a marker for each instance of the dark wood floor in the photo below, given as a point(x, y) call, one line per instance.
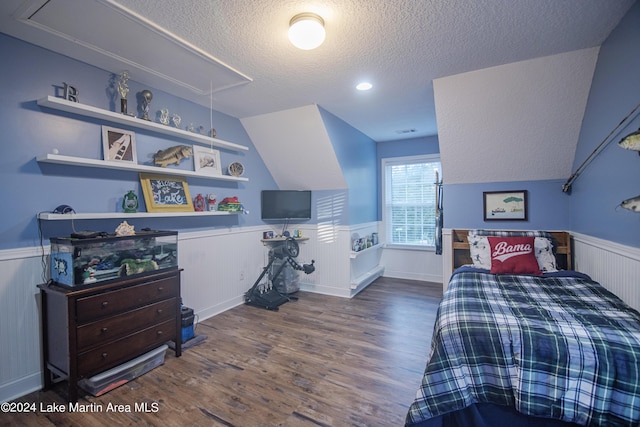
point(319, 361)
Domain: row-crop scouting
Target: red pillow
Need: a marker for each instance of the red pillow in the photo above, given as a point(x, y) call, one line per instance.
point(513, 255)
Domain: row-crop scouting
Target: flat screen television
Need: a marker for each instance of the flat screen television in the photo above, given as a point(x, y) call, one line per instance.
point(285, 204)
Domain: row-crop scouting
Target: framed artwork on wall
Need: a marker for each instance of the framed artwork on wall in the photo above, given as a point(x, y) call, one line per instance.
point(165, 193)
point(505, 205)
point(119, 145)
point(206, 160)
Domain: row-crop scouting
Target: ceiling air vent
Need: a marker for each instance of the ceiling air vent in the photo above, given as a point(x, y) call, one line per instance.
point(405, 131)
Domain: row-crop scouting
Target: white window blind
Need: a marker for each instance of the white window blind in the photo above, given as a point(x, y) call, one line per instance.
point(410, 200)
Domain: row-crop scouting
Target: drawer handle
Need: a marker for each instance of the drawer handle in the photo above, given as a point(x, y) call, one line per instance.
point(103, 330)
point(159, 333)
point(159, 311)
point(160, 288)
point(105, 304)
point(104, 355)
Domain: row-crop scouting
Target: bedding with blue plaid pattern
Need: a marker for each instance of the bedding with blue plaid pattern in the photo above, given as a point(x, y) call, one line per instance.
point(559, 346)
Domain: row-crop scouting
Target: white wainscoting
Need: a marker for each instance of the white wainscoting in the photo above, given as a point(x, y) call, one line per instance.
point(20, 349)
point(412, 264)
point(615, 266)
point(220, 265)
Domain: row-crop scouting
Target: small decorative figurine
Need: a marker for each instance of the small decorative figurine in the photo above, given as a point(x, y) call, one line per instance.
point(124, 229)
point(147, 96)
point(230, 204)
point(172, 155)
point(164, 117)
point(198, 203)
point(130, 202)
point(176, 121)
point(123, 89)
point(212, 133)
point(211, 202)
point(70, 93)
point(89, 275)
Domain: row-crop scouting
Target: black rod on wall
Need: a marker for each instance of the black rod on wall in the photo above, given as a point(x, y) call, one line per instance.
point(566, 188)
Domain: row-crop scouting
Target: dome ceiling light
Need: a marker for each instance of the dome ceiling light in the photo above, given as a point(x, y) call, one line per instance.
point(306, 31)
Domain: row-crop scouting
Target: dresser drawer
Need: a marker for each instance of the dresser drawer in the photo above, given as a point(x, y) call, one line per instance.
point(110, 328)
point(109, 355)
point(106, 304)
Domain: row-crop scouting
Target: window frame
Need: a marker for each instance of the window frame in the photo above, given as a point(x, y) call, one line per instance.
point(403, 160)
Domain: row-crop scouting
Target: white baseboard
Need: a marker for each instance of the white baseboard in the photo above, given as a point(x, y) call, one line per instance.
point(20, 387)
point(436, 278)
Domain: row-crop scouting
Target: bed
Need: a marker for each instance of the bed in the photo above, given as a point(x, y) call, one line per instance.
point(519, 341)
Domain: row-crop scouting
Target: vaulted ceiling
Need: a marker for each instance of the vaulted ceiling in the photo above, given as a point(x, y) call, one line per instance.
point(239, 48)
point(512, 77)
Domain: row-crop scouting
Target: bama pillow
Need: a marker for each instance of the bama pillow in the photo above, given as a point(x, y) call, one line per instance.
point(513, 255)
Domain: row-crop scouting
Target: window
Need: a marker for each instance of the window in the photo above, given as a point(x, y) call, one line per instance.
point(409, 199)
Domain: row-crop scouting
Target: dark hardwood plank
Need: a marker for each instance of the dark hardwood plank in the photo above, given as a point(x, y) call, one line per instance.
point(319, 361)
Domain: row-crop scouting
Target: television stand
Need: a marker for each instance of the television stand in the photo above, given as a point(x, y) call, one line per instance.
point(266, 295)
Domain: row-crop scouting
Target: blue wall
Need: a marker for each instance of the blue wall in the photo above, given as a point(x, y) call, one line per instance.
point(614, 175)
point(30, 73)
point(402, 148)
point(356, 154)
point(548, 207)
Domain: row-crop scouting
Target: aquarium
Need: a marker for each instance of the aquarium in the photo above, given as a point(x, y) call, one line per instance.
point(86, 261)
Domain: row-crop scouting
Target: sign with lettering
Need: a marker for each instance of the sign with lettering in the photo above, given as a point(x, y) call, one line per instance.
point(165, 193)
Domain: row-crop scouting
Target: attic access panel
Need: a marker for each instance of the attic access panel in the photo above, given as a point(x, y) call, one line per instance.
point(107, 35)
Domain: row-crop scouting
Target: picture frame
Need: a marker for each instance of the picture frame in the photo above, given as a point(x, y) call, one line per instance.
point(166, 193)
point(206, 160)
point(505, 205)
point(119, 145)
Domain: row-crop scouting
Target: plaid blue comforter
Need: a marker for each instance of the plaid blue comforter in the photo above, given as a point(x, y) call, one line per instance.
point(558, 347)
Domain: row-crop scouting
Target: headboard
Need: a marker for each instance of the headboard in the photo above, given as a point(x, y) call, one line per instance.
point(461, 255)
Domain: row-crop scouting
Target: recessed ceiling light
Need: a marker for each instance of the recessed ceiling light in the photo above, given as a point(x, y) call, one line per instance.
point(364, 86)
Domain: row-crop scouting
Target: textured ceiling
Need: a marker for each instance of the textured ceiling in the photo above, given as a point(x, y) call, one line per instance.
point(398, 45)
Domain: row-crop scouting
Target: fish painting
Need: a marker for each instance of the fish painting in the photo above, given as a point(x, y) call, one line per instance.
point(172, 155)
point(631, 141)
point(632, 204)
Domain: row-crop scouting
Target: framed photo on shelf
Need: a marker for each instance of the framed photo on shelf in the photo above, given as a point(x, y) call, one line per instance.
point(165, 193)
point(119, 145)
point(505, 205)
point(206, 160)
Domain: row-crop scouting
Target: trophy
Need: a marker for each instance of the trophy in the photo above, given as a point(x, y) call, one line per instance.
point(176, 120)
point(164, 117)
point(123, 89)
point(147, 96)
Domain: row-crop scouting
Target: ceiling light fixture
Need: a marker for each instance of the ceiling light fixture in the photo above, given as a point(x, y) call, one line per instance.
point(306, 31)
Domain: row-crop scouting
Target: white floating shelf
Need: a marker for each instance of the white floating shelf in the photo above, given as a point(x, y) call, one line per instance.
point(109, 215)
point(111, 164)
point(123, 119)
point(354, 255)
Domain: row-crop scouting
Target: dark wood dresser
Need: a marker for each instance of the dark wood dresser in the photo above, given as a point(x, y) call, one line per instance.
point(91, 329)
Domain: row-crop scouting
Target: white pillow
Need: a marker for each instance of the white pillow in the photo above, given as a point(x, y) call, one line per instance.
point(544, 254)
point(480, 251)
